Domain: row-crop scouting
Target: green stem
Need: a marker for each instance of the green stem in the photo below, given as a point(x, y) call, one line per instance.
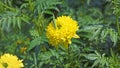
point(59, 61)
point(35, 60)
point(117, 21)
point(68, 52)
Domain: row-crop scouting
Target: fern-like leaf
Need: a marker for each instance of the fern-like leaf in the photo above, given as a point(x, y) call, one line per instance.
point(46, 5)
point(12, 19)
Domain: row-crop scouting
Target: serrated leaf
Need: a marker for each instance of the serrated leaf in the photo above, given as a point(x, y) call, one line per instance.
point(103, 61)
point(14, 21)
point(48, 12)
point(34, 43)
point(77, 41)
point(97, 54)
point(4, 23)
point(96, 62)
point(19, 22)
point(25, 20)
point(9, 22)
point(91, 56)
point(54, 53)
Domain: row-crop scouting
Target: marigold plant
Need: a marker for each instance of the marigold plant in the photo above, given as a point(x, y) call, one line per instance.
point(65, 30)
point(10, 61)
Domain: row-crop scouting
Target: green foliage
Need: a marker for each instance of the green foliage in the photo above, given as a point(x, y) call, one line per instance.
point(12, 19)
point(103, 61)
point(116, 4)
point(61, 58)
point(43, 6)
point(114, 60)
point(100, 60)
point(23, 26)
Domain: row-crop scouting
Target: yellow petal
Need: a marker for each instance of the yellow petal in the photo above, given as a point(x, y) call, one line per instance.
point(76, 36)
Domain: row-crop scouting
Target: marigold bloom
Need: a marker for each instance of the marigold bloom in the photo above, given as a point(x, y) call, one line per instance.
point(63, 33)
point(10, 61)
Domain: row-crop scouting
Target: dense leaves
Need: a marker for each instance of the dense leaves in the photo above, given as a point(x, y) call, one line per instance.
point(23, 25)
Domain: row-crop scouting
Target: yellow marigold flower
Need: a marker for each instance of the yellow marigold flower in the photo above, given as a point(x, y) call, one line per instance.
point(10, 61)
point(63, 33)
